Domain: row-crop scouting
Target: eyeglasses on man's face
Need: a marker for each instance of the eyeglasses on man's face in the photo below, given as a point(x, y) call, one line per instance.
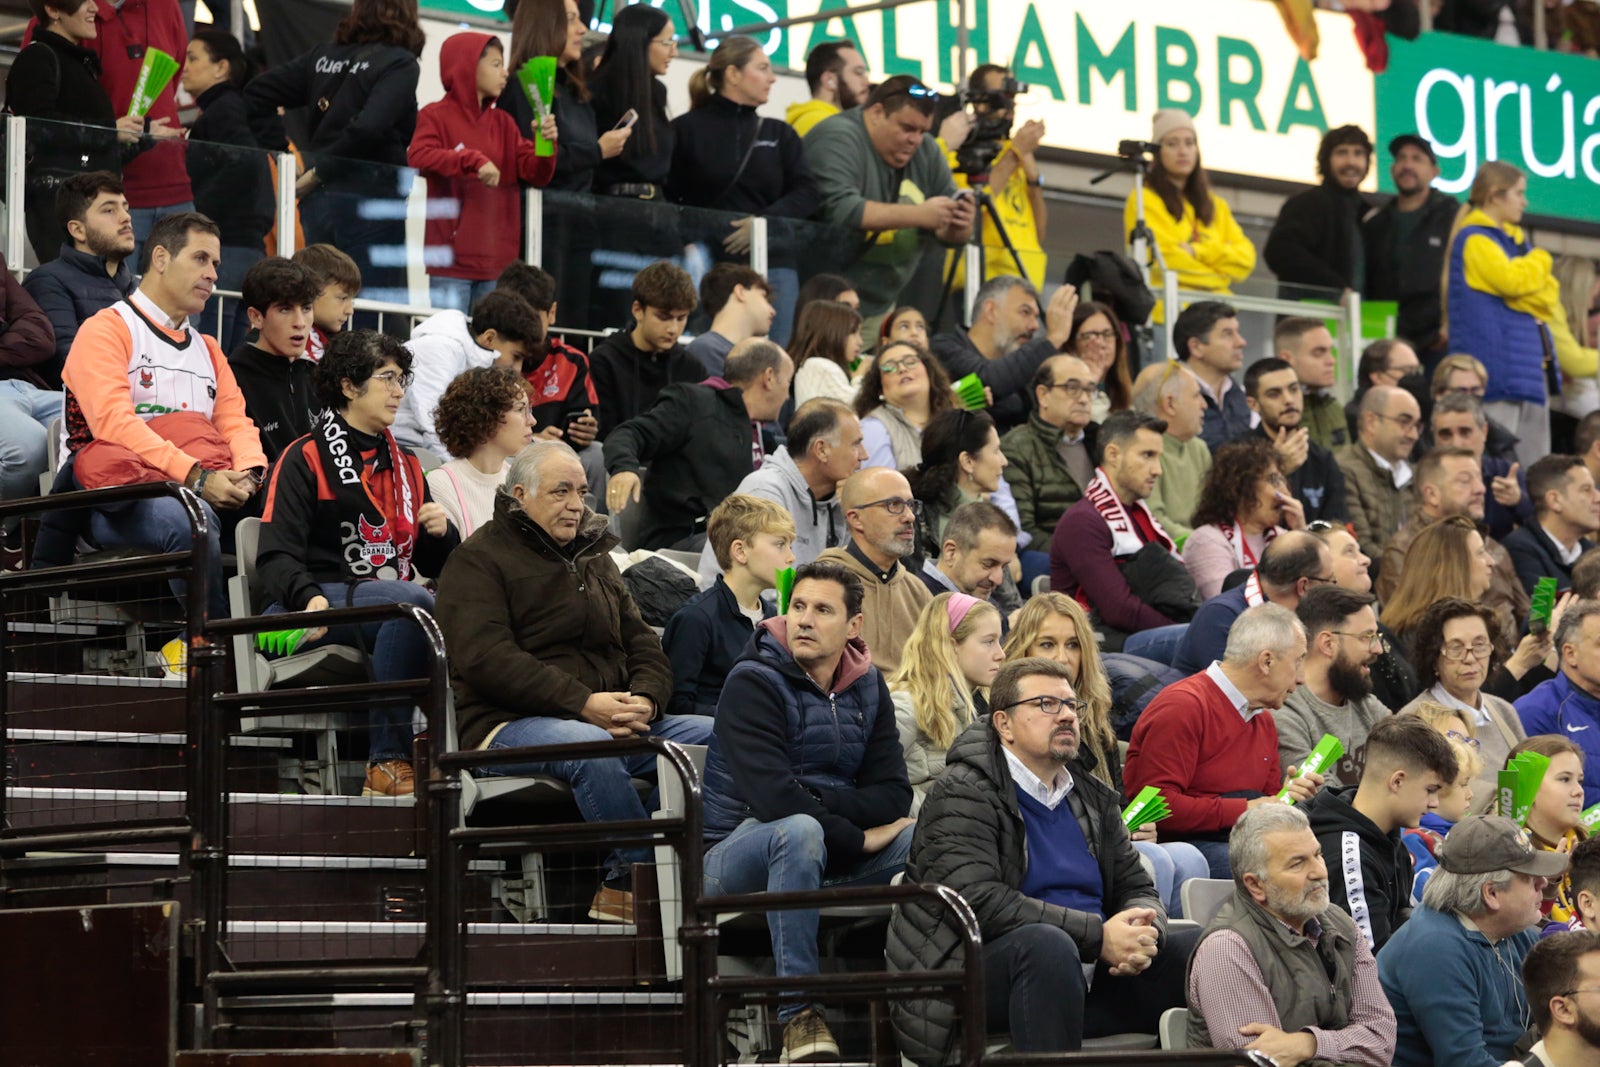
point(1074, 388)
point(894, 505)
point(1051, 707)
point(1370, 638)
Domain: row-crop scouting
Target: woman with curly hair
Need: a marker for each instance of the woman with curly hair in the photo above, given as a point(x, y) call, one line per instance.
point(943, 682)
point(1053, 626)
point(961, 462)
point(1448, 559)
point(483, 419)
point(827, 341)
point(1100, 340)
point(899, 392)
point(1244, 504)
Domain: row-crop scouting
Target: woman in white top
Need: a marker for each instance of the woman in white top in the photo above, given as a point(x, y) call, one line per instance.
point(483, 418)
point(826, 345)
point(1244, 504)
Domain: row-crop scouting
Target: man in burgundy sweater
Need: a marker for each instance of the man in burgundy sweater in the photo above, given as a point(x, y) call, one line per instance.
point(1100, 534)
point(1209, 742)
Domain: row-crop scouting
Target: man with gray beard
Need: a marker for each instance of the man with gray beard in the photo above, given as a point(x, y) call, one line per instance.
point(1280, 969)
point(1342, 641)
point(1008, 343)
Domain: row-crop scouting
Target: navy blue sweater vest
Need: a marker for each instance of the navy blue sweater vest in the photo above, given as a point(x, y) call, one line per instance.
point(1061, 869)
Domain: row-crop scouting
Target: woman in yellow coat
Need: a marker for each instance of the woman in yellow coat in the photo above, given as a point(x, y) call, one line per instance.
point(1193, 227)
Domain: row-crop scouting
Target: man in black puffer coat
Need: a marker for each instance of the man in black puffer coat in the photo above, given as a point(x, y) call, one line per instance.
point(1044, 860)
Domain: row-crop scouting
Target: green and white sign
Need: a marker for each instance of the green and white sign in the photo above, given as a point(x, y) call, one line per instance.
point(1477, 101)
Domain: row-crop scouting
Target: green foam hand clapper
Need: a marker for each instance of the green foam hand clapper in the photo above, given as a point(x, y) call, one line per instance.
point(785, 585)
point(280, 642)
point(1542, 605)
point(1590, 819)
point(155, 74)
point(969, 391)
point(1325, 755)
point(1519, 784)
point(1148, 807)
point(538, 80)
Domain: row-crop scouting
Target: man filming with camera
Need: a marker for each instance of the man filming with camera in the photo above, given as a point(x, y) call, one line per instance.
point(1006, 159)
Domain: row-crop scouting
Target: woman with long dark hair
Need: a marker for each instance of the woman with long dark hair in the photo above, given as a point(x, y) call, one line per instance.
point(641, 47)
point(228, 170)
point(961, 462)
point(827, 342)
point(359, 92)
point(899, 392)
point(1193, 226)
point(1244, 504)
point(1100, 340)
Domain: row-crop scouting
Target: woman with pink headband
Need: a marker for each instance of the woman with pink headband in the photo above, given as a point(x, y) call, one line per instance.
point(942, 685)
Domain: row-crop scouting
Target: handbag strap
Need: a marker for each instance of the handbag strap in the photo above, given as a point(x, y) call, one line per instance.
point(743, 163)
point(466, 515)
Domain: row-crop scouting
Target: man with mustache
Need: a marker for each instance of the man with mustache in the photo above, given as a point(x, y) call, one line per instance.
point(1406, 241)
point(1055, 883)
point(1279, 969)
point(1316, 247)
point(1273, 390)
point(1342, 641)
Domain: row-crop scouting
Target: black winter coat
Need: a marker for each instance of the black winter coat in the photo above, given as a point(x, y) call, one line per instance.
point(1410, 273)
point(710, 142)
point(1312, 246)
point(970, 837)
point(57, 80)
point(232, 185)
point(578, 143)
point(640, 161)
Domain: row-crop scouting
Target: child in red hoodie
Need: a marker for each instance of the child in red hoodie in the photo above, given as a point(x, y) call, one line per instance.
point(473, 154)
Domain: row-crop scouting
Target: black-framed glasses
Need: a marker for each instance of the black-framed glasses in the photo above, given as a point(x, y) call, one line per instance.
point(1051, 706)
point(1105, 336)
point(1458, 736)
point(894, 505)
point(1455, 653)
point(1074, 388)
point(1366, 637)
point(895, 366)
point(1405, 422)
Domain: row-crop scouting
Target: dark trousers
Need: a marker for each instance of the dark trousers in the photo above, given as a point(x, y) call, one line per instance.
point(1033, 978)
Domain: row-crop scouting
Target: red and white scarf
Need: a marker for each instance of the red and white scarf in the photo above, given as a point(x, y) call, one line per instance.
point(1239, 544)
point(1125, 539)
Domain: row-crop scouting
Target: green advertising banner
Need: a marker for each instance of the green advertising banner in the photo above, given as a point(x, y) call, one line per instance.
point(1475, 101)
point(487, 9)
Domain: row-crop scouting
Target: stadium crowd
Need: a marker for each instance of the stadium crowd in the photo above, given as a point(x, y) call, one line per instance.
point(1032, 578)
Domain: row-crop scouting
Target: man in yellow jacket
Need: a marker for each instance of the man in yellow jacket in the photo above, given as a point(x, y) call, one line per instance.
point(837, 75)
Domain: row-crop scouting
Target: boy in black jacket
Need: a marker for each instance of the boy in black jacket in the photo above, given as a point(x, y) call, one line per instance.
point(630, 367)
point(1369, 867)
point(277, 295)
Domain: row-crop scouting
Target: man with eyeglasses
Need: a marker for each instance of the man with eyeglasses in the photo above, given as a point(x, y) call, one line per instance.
point(1562, 977)
point(1075, 940)
point(1273, 390)
point(882, 517)
point(1050, 458)
point(880, 172)
point(1566, 508)
point(1448, 484)
point(1007, 344)
point(1377, 472)
point(1384, 362)
point(1342, 641)
point(1451, 972)
point(1569, 703)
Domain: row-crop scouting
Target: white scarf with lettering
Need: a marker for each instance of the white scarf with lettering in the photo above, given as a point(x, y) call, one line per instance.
point(1125, 539)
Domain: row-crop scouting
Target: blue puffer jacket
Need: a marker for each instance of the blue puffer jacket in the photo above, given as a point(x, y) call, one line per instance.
point(782, 746)
point(1559, 707)
point(1512, 344)
point(72, 288)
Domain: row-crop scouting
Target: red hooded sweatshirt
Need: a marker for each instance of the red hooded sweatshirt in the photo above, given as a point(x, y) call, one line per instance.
point(454, 138)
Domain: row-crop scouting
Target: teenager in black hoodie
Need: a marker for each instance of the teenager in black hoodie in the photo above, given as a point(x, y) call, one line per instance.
point(271, 365)
point(1359, 826)
point(630, 367)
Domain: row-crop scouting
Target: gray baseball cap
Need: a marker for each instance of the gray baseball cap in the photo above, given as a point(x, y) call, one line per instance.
point(1482, 843)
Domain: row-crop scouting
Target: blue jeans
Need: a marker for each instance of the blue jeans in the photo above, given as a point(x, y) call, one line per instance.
point(788, 856)
point(1035, 564)
point(785, 282)
point(25, 415)
point(1160, 644)
point(234, 323)
point(602, 788)
point(1216, 854)
point(144, 220)
point(397, 648)
point(458, 294)
point(162, 525)
point(370, 230)
point(1175, 862)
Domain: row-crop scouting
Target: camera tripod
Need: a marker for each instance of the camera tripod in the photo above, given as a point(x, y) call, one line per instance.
point(1142, 243)
point(978, 185)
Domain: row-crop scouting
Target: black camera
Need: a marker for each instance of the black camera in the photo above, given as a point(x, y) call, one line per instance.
point(1137, 149)
point(992, 114)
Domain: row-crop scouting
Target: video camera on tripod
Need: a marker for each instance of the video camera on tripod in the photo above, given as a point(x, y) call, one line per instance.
point(993, 113)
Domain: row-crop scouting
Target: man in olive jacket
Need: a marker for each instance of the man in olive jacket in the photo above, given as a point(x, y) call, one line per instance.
point(1050, 458)
point(1044, 860)
point(547, 648)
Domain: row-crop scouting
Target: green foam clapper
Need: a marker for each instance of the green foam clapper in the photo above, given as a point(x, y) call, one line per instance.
point(538, 80)
point(280, 642)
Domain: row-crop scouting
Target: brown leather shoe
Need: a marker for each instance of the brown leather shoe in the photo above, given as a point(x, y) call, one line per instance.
point(391, 778)
point(611, 905)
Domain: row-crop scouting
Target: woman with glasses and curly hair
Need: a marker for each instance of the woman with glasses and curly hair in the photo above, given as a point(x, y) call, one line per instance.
point(1053, 626)
point(1244, 504)
point(483, 419)
point(899, 393)
point(942, 684)
point(1456, 649)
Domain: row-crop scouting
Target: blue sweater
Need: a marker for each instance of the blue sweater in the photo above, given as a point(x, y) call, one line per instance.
point(1061, 869)
point(703, 640)
point(1457, 999)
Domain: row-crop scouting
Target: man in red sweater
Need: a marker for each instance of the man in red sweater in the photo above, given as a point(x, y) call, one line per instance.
point(1209, 742)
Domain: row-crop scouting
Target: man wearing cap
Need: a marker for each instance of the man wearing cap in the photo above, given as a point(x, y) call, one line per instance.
point(1315, 247)
point(1452, 971)
point(1280, 969)
point(1406, 241)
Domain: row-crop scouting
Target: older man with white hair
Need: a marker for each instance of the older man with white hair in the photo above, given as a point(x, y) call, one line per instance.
point(547, 648)
point(1280, 969)
point(1205, 743)
point(1451, 972)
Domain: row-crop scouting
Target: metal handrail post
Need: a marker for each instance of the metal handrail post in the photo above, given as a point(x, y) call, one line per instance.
point(533, 228)
point(287, 175)
point(1169, 308)
point(1351, 308)
point(758, 245)
point(16, 189)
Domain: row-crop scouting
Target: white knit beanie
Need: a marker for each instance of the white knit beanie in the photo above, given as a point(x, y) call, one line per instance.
point(1167, 120)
